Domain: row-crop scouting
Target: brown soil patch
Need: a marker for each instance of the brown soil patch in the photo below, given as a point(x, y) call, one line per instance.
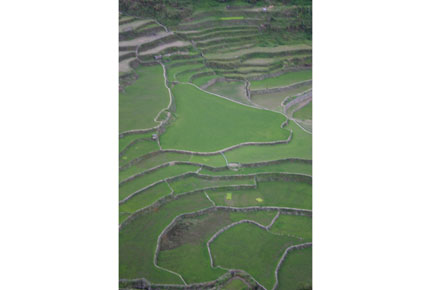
point(194, 230)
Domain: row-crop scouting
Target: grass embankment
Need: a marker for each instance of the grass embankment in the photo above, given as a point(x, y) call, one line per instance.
point(282, 80)
point(193, 183)
point(141, 148)
point(147, 179)
point(208, 123)
point(126, 140)
point(305, 113)
point(235, 90)
point(300, 146)
point(252, 249)
point(298, 226)
point(137, 240)
point(271, 193)
point(142, 100)
point(212, 160)
point(296, 271)
point(290, 167)
point(273, 101)
point(145, 198)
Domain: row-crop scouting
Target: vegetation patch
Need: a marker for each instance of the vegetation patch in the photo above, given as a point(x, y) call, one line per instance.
point(137, 240)
point(232, 18)
point(272, 193)
point(147, 179)
point(285, 79)
point(208, 123)
point(298, 226)
point(296, 271)
point(252, 249)
point(193, 183)
point(141, 101)
point(145, 198)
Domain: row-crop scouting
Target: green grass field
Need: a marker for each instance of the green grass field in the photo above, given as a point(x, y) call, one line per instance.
point(126, 140)
point(230, 42)
point(147, 179)
point(273, 193)
point(296, 271)
point(298, 226)
point(282, 80)
point(300, 146)
point(305, 113)
point(142, 100)
point(137, 240)
point(139, 149)
point(145, 198)
point(208, 123)
point(252, 249)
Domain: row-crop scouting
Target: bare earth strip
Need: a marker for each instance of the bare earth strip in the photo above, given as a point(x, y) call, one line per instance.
point(124, 66)
point(260, 49)
point(132, 25)
point(165, 46)
point(144, 39)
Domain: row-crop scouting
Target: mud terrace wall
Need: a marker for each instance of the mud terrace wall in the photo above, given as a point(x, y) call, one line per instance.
point(280, 89)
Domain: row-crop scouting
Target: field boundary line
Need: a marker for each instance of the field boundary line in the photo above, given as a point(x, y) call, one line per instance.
point(219, 169)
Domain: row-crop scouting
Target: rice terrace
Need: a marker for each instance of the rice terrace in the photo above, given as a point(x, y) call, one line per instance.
point(215, 144)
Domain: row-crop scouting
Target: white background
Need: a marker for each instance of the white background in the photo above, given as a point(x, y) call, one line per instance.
point(376, 144)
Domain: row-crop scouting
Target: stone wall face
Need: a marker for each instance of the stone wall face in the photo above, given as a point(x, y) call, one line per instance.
point(280, 89)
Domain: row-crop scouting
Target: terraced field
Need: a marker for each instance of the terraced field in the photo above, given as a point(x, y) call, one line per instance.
point(215, 150)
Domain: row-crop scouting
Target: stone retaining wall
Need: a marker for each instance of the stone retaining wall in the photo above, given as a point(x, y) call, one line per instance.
point(278, 73)
point(280, 89)
point(300, 98)
point(128, 35)
point(151, 154)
